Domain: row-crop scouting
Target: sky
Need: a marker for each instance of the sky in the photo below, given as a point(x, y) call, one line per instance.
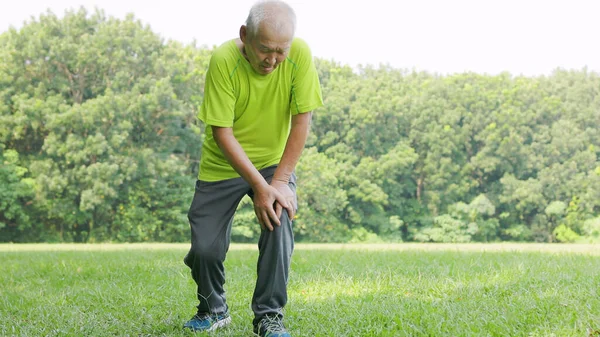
point(523, 37)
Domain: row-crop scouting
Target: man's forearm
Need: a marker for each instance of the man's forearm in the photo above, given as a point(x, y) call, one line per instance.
point(294, 146)
point(237, 157)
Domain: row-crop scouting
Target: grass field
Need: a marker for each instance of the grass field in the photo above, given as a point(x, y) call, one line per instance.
point(334, 290)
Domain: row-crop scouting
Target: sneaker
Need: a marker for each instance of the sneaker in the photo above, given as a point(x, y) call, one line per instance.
point(271, 326)
point(207, 322)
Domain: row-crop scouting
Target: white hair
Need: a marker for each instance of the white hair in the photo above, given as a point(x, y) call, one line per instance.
point(267, 11)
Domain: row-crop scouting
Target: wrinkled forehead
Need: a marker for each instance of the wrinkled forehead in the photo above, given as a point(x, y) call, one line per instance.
point(275, 36)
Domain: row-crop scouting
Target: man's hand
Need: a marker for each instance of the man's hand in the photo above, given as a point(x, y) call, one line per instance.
point(267, 199)
point(287, 193)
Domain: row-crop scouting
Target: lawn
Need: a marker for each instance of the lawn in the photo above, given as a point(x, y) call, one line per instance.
point(335, 290)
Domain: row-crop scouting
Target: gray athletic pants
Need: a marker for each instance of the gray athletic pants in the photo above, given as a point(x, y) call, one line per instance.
point(211, 216)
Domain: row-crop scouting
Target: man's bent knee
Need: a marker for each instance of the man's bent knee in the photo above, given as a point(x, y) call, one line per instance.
point(205, 253)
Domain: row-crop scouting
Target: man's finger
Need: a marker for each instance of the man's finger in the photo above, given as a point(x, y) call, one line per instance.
point(259, 218)
point(281, 199)
point(274, 217)
point(290, 209)
point(262, 223)
point(278, 210)
point(267, 221)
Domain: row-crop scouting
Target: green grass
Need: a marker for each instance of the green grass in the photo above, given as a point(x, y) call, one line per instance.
point(334, 290)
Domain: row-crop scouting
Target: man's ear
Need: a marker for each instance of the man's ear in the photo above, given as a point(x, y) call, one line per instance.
point(243, 34)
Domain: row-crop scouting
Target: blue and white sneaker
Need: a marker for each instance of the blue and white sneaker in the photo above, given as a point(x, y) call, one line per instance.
point(271, 326)
point(207, 322)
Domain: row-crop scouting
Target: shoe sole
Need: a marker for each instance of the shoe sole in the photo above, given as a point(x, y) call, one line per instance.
point(219, 324)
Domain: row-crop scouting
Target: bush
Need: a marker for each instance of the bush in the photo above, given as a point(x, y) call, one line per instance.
point(565, 234)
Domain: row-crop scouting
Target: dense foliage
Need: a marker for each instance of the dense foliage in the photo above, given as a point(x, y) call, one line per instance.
point(99, 142)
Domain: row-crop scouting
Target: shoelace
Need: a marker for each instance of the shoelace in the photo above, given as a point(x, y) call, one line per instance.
point(272, 324)
point(201, 317)
point(207, 316)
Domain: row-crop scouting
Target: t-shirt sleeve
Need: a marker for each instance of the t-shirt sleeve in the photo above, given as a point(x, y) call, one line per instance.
point(219, 99)
point(306, 89)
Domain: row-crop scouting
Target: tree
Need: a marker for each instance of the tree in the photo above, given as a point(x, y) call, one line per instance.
point(95, 112)
point(100, 142)
point(16, 196)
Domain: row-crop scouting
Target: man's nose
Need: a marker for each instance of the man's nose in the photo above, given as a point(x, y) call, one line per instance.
point(271, 60)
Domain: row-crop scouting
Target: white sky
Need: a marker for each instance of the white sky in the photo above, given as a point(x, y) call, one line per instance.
point(529, 37)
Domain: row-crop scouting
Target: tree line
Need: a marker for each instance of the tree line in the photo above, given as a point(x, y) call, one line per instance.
point(99, 141)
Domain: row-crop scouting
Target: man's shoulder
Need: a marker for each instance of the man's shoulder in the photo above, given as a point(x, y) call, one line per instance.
point(300, 52)
point(299, 45)
point(225, 53)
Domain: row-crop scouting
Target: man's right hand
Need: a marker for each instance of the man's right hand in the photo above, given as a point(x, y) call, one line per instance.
point(265, 199)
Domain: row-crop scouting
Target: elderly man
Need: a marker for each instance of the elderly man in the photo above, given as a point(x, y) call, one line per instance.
point(259, 94)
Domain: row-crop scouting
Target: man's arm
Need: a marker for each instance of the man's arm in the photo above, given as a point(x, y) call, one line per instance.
point(265, 195)
point(293, 149)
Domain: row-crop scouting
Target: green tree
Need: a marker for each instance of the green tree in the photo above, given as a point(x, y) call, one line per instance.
point(16, 196)
point(92, 105)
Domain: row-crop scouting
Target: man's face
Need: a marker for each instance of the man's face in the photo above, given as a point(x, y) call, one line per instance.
point(267, 49)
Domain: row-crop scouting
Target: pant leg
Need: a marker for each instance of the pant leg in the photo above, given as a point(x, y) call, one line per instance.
point(275, 253)
point(210, 216)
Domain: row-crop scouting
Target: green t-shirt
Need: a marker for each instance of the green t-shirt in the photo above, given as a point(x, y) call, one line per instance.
point(258, 107)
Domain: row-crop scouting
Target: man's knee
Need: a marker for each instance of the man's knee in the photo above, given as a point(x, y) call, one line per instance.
point(201, 252)
point(286, 219)
point(285, 229)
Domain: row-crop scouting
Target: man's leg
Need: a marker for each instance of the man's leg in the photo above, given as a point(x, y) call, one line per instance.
point(210, 216)
point(275, 253)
